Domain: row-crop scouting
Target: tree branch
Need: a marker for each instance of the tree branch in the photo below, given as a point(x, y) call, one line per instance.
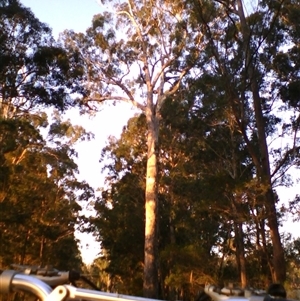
point(289, 153)
point(115, 98)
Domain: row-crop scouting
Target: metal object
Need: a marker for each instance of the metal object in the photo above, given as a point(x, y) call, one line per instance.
point(30, 284)
point(79, 293)
point(58, 294)
point(39, 285)
point(233, 294)
point(14, 281)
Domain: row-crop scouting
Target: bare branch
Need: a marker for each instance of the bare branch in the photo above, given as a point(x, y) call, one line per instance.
point(116, 98)
point(172, 90)
point(176, 85)
point(158, 75)
point(288, 154)
point(130, 16)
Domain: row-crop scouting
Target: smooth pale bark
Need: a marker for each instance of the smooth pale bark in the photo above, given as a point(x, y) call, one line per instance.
point(150, 284)
point(151, 52)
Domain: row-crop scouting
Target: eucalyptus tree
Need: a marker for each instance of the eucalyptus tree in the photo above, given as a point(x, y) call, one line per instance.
point(187, 228)
point(138, 54)
point(254, 58)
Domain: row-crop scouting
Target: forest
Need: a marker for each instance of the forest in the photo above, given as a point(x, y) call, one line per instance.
point(190, 194)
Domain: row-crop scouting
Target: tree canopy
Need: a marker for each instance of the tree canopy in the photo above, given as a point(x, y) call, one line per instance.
point(190, 193)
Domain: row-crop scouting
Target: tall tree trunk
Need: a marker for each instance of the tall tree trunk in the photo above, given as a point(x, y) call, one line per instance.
point(264, 169)
point(279, 266)
point(150, 284)
point(3, 109)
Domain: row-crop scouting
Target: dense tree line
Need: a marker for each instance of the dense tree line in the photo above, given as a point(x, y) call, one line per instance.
point(200, 223)
point(191, 183)
point(39, 191)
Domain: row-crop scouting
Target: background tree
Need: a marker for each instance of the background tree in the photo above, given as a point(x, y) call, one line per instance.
point(120, 209)
point(219, 169)
point(38, 187)
point(244, 59)
point(33, 78)
point(39, 200)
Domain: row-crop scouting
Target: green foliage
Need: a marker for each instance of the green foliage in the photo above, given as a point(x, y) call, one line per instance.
point(39, 192)
point(97, 272)
point(32, 67)
point(293, 257)
point(120, 209)
point(39, 201)
point(211, 181)
point(206, 182)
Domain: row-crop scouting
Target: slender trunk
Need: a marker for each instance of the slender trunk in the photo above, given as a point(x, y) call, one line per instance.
point(240, 253)
point(172, 289)
point(279, 274)
point(242, 256)
point(239, 240)
point(24, 249)
point(3, 109)
point(265, 258)
point(264, 168)
point(42, 248)
point(150, 285)
point(261, 247)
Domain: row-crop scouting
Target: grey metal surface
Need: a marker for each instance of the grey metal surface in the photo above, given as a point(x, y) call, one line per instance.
point(32, 285)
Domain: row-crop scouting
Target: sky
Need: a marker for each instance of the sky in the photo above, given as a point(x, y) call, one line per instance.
point(77, 15)
point(65, 14)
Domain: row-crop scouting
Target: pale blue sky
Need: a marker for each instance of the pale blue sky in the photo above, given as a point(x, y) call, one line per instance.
point(64, 14)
